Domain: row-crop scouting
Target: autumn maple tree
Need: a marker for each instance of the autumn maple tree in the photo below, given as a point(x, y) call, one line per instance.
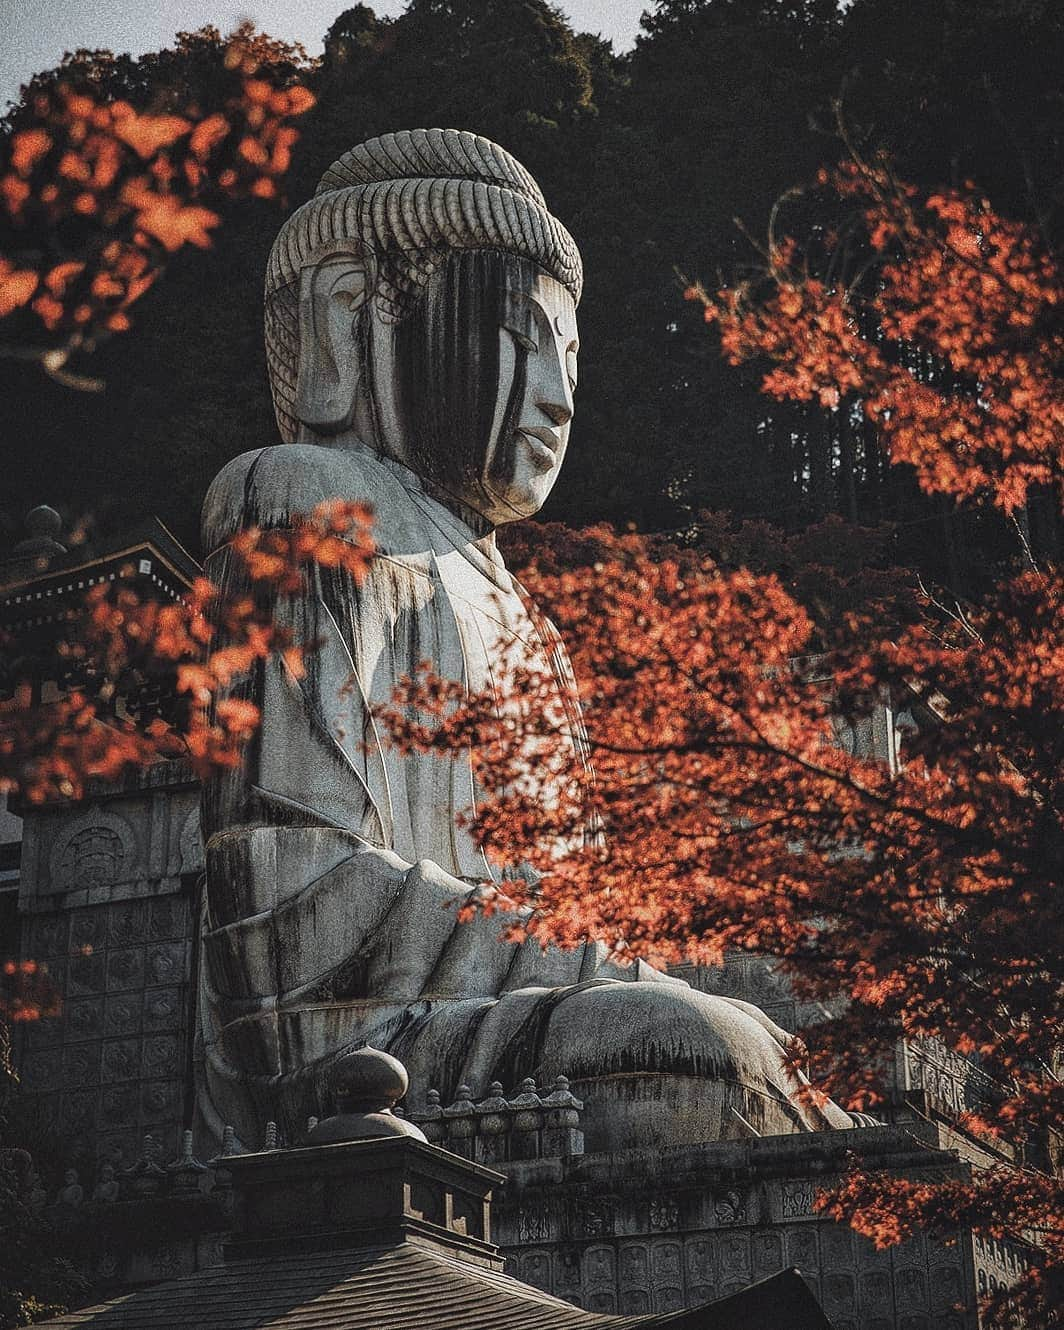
point(920, 885)
point(187, 652)
point(96, 194)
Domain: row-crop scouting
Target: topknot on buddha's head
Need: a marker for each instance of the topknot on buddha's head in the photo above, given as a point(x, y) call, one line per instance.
point(425, 154)
point(402, 205)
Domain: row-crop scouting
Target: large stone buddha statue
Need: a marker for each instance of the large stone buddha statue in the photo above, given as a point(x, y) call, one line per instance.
point(422, 343)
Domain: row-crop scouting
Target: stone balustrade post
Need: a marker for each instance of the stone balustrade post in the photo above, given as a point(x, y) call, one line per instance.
point(493, 1127)
point(221, 1187)
point(430, 1118)
point(186, 1172)
point(461, 1124)
point(561, 1125)
point(146, 1177)
point(527, 1122)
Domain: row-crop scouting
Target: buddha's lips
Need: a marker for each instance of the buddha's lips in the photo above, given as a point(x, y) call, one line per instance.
point(544, 442)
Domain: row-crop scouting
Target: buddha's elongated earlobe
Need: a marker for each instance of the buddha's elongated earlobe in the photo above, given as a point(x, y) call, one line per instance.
point(332, 292)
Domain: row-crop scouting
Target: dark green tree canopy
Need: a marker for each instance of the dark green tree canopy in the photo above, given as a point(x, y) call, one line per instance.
point(649, 158)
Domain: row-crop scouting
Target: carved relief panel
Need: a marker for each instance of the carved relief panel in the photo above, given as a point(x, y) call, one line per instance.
point(757, 1230)
point(114, 931)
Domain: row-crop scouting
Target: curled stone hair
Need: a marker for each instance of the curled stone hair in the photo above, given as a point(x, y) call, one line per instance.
point(406, 202)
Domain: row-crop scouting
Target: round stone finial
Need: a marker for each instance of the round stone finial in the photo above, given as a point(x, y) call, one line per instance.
point(366, 1085)
point(43, 523)
point(368, 1081)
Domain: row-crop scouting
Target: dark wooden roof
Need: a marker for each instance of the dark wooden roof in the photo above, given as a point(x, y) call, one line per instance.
point(368, 1289)
point(60, 576)
point(781, 1302)
point(408, 1287)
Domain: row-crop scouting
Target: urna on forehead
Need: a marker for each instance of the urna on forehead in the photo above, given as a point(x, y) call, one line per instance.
point(411, 197)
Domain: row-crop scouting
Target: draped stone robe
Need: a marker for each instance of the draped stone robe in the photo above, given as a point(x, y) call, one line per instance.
point(330, 916)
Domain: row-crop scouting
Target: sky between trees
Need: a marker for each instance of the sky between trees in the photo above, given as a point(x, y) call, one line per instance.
point(37, 32)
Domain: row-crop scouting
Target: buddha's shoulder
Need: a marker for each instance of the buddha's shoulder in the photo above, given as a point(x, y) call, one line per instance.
point(268, 487)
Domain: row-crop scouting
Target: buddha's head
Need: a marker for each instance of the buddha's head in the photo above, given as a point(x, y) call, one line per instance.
point(424, 303)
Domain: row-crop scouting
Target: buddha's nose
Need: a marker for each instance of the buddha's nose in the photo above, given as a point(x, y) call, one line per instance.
point(558, 413)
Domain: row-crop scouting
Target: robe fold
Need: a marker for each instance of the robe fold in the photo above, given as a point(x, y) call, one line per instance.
point(336, 864)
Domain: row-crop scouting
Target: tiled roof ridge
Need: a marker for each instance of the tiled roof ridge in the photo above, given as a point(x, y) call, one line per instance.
point(422, 1287)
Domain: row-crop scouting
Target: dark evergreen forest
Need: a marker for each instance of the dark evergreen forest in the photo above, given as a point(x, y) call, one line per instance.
point(664, 161)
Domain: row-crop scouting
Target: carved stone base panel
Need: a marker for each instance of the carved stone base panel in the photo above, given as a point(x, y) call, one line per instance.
point(106, 900)
point(629, 1234)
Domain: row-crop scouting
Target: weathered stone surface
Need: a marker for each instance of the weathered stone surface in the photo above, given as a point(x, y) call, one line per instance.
point(422, 339)
point(642, 1231)
point(366, 1085)
point(105, 899)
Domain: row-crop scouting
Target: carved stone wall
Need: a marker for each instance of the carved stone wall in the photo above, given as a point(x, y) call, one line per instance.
point(997, 1265)
point(106, 898)
point(633, 1233)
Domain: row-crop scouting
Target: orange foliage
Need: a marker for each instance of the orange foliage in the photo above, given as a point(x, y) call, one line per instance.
point(50, 751)
point(27, 992)
point(147, 135)
point(208, 134)
point(17, 286)
point(29, 147)
point(923, 888)
point(140, 182)
point(949, 339)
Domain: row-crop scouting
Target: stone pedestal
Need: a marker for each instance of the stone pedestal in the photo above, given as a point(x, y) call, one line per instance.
point(382, 1234)
point(356, 1193)
point(642, 1231)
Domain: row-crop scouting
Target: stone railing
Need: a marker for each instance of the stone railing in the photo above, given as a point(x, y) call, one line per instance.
point(497, 1128)
point(948, 1083)
point(145, 1178)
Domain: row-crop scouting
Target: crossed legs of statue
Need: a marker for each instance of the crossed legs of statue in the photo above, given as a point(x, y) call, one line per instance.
point(315, 944)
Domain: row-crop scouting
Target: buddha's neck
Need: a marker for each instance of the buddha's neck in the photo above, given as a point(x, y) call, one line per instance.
point(481, 530)
point(477, 523)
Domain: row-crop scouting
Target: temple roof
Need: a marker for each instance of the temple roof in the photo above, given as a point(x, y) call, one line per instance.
point(409, 1287)
point(361, 1228)
point(36, 582)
